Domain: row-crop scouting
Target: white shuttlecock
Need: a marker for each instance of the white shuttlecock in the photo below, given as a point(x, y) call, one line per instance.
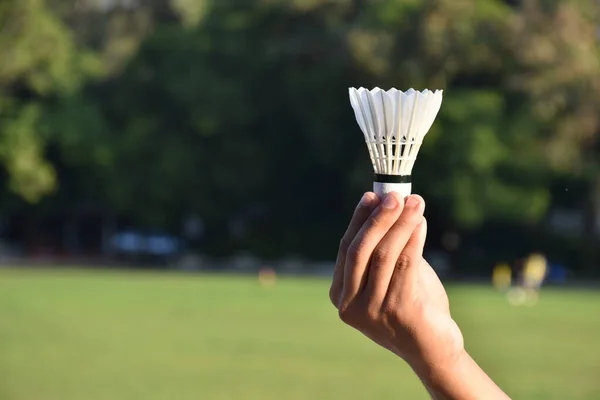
point(394, 124)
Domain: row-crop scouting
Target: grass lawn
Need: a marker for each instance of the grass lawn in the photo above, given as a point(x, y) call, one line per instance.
point(109, 335)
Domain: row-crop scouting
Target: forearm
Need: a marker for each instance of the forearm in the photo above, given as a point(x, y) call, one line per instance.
point(463, 380)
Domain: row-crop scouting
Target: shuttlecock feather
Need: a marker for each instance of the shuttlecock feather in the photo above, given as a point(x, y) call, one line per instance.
point(394, 124)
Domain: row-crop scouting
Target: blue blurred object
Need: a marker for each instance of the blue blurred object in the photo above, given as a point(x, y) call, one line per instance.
point(156, 244)
point(557, 273)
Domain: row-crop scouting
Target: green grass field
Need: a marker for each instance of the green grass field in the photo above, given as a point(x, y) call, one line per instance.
point(110, 335)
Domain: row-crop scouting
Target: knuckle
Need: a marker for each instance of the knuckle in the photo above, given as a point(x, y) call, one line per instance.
point(355, 248)
point(344, 244)
point(367, 308)
point(380, 255)
point(403, 262)
point(356, 313)
point(373, 312)
point(346, 314)
point(388, 309)
point(392, 311)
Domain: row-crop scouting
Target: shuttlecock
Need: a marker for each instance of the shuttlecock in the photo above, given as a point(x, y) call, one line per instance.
point(394, 124)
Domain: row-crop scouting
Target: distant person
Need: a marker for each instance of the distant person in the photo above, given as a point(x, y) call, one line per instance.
point(502, 277)
point(516, 294)
point(384, 288)
point(534, 273)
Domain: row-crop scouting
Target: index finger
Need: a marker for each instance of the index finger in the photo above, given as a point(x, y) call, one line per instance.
point(392, 245)
point(363, 244)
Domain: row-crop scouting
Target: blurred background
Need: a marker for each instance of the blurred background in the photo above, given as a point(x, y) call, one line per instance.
point(176, 176)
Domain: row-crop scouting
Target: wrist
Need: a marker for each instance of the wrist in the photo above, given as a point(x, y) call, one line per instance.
point(459, 379)
point(441, 371)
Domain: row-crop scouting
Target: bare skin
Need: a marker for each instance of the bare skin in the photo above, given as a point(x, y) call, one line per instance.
point(384, 288)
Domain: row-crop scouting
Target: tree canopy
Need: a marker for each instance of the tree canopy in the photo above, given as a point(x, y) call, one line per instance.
point(238, 111)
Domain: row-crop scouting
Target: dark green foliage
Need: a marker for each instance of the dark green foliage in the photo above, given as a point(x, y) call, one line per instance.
point(238, 110)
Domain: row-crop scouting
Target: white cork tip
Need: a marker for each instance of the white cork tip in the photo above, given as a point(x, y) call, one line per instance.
point(382, 188)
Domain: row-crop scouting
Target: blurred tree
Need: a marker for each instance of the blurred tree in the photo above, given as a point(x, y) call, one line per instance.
point(238, 111)
point(259, 90)
point(38, 62)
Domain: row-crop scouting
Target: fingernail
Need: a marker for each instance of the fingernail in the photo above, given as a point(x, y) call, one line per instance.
point(389, 202)
point(411, 201)
point(367, 200)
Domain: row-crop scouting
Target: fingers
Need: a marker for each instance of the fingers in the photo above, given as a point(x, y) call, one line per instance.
point(410, 258)
point(364, 208)
point(362, 246)
point(395, 242)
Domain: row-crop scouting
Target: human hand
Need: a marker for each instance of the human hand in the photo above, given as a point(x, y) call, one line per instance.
point(384, 288)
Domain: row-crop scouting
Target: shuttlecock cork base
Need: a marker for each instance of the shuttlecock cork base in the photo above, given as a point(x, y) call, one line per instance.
point(394, 124)
point(384, 184)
